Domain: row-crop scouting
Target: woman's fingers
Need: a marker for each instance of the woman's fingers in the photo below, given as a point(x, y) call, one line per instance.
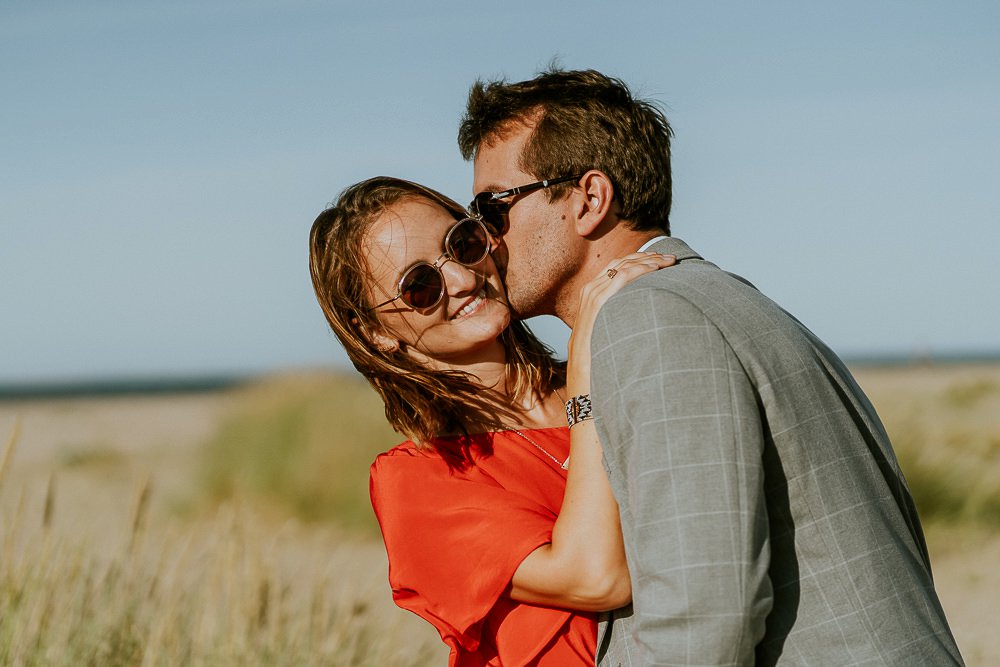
point(639, 257)
point(638, 264)
point(624, 270)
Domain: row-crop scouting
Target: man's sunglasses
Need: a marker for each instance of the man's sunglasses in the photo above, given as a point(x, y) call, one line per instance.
point(422, 285)
point(493, 211)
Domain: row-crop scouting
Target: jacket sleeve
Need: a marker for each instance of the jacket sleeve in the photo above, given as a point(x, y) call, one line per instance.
point(679, 422)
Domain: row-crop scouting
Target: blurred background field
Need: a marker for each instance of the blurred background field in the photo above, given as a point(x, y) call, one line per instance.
point(165, 161)
point(232, 527)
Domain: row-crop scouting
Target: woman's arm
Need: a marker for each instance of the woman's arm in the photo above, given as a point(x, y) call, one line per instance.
point(584, 566)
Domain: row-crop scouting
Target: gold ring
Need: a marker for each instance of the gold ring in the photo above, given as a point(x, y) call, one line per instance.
point(612, 273)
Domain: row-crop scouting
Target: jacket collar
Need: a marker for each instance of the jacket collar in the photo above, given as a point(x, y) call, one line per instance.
point(674, 246)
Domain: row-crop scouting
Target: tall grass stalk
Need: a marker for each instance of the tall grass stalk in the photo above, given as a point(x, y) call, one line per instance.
point(8, 451)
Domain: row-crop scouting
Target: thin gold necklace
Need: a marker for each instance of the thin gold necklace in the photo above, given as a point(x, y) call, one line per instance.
point(562, 464)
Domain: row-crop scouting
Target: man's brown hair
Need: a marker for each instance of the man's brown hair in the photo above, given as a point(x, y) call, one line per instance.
point(583, 120)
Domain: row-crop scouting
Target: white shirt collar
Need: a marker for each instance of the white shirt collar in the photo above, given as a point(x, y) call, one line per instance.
point(645, 246)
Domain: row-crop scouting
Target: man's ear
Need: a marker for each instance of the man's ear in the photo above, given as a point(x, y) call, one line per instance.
point(382, 341)
point(597, 194)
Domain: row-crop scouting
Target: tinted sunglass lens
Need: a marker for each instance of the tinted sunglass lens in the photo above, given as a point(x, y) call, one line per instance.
point(421, 287)
point(498, 218)
point(479, 203)
point(493, 213)
point(468, 242)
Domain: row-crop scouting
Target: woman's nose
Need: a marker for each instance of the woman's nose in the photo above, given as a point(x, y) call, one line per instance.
point(460, 279)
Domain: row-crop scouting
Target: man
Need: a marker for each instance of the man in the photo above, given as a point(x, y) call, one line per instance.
point(764, 514)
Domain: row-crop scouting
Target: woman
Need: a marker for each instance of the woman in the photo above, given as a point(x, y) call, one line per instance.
point(482, 540)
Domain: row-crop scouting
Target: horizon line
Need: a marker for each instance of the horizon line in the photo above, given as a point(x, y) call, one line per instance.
point(195, 383)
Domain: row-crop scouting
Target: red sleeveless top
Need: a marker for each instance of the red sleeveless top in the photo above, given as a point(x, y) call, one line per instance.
point(455, 533)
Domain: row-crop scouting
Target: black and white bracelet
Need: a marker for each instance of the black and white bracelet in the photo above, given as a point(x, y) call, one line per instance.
point(578, 409)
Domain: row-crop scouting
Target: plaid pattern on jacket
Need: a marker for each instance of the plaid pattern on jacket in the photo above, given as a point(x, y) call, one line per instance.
point(765, 517)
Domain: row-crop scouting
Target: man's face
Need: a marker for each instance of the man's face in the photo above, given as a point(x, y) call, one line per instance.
point(537, 248)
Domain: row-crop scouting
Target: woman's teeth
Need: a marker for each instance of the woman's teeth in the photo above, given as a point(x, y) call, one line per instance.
point(472, 305)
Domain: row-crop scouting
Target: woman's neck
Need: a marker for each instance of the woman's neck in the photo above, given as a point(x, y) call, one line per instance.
point(542, 411)
point(489, 369)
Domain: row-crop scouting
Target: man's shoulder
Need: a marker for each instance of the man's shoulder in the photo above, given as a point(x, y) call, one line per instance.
point(687, 257)
point(693, 280)
point(694, 292)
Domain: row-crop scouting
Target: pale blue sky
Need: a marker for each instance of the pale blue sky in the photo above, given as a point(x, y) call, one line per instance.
point(161, 163)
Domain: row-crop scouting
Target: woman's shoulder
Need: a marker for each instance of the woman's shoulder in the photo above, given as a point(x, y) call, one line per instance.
point(411, 470)
point(442, 455)
point(407, 448)
point(407, 455)
point(403, 452)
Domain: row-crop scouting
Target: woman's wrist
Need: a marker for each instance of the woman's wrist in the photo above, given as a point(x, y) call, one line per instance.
point(578, 409)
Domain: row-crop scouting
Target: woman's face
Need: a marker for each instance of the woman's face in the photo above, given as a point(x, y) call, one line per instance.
point(464, 325)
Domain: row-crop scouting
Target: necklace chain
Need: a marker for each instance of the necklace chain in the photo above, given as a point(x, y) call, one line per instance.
point(562, 464)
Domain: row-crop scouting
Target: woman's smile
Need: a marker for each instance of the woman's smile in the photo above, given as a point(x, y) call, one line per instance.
point(473, 306)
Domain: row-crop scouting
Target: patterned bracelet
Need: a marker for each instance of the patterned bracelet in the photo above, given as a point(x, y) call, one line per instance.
point(578, 409)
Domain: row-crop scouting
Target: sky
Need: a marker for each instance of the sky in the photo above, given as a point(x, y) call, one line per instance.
point(161, 163)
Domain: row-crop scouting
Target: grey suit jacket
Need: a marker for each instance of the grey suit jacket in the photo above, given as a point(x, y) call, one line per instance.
point(765, 516)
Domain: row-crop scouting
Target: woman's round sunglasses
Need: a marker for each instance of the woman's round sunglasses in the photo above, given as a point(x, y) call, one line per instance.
point(493, 211)
point(422, 285)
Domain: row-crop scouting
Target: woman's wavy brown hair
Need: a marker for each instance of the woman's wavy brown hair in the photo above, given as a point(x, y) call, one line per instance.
point(420, 402)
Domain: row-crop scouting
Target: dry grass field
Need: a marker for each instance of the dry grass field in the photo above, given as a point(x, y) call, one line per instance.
point(232, 528)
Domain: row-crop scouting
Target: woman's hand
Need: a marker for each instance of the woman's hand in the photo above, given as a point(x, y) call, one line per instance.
point(616, 275)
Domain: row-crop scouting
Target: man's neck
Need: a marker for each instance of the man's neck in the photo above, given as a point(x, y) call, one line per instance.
point(602, 252)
